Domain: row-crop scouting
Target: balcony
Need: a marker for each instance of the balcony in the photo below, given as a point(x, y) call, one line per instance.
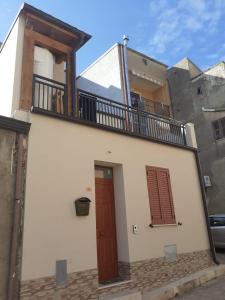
point(49, 97)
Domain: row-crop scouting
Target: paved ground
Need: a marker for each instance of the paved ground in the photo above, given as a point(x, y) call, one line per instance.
point(213, 290)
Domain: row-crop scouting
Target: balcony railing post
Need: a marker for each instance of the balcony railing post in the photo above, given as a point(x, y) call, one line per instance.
point(33, 89)
point(139, 120)
point(184, 135)
point(65, 100)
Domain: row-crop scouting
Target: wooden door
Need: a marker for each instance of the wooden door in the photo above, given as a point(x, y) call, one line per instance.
point(106, 229)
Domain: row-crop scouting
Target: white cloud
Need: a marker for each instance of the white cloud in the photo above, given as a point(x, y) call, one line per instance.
point(178, 22)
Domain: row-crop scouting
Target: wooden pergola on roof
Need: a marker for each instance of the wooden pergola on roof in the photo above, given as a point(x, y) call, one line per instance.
point(53, 28)
point(62, 39)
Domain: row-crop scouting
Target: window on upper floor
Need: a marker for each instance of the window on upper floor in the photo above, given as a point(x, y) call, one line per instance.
point(219, 128)
point(160, 196)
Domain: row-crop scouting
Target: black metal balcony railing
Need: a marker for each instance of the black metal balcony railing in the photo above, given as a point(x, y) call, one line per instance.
point(49, 95)
point(105, 112)
point(155, 107)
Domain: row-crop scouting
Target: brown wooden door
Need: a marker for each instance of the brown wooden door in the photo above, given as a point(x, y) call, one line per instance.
point(106, 229)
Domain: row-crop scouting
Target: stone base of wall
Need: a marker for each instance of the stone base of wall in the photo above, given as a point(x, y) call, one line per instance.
point(80, 285)
point(140, 275)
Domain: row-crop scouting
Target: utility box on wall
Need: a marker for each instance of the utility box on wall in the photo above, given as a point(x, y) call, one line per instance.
point(82, 206)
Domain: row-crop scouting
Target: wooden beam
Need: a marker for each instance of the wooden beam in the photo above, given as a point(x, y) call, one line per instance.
point(31, 39)
point(76, 96)
point(73, 82)
point(51, 25)
point(68, 82)
point(48, 43)
point(60, 58)
point(27, 73)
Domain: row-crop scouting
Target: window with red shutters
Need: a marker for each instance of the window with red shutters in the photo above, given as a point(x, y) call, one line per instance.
point(160, 196)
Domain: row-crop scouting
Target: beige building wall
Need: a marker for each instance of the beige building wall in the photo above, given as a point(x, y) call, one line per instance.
point(58, 72)
point(149, 67)
point(61, 160)
point(159, 95)
point(103, 76)
point(11, 55)
point(18, 65)
point(187, 64)
point(155, 87)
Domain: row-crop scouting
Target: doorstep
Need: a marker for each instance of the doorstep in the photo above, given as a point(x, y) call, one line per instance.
point(185, 284)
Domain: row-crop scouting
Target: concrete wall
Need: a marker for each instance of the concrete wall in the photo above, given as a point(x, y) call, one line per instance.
point(7, 186)
point(103, 76)
point(187, 64)
point(148, 78)
point(18, 65)
point(160, 94)
point(187, 106)
point(217, 71)
point(10, 69)
point(52, 231)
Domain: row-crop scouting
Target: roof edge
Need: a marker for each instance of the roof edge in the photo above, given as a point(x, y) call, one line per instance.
point(147, 57)
point(97, 60)
point(14, 125)
point(29, 8)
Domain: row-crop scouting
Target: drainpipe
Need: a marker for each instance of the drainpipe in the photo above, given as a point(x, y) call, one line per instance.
point(126, 75)
point(73, 83)
point(211, 242)
point(13, 287)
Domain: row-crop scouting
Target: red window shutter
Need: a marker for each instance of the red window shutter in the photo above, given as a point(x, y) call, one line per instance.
point(160, 196)
point(165, 194)
point(154, 198)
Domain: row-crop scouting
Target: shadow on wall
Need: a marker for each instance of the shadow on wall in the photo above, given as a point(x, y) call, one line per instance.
point(111, 92)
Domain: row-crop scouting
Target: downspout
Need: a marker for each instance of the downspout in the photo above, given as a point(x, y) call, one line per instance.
point(126, 71)
point(122, 73)
point(211, 242)
point(14, 269)
point(171, 101)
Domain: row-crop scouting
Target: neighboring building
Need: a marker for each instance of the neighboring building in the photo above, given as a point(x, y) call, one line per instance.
point(147, 80)
point(137, 171)
point(199, 97)
point(13, 140)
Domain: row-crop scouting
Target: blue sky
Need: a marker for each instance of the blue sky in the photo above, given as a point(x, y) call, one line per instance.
point(166, 30)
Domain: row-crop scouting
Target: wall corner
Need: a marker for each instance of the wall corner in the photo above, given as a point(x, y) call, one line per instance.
point(190, 135)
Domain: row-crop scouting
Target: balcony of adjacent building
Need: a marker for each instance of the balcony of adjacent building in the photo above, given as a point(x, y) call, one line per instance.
point(148, 84)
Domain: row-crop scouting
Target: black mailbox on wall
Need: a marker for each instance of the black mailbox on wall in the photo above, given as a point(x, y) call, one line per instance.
point(82, 206)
